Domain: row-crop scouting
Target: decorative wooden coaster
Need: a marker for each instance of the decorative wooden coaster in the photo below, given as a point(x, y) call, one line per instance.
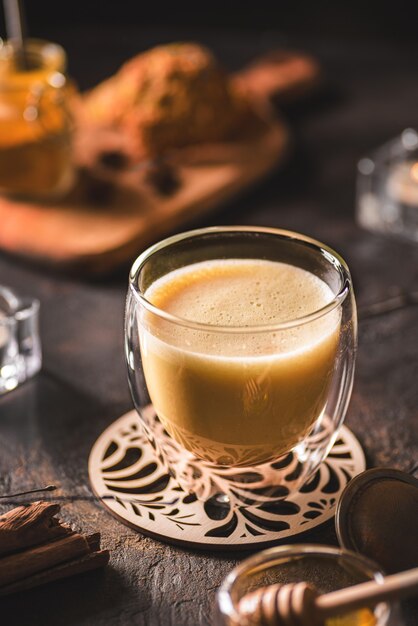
point(132, 482)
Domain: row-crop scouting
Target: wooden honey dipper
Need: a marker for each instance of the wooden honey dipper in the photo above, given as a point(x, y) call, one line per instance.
point(299, 604)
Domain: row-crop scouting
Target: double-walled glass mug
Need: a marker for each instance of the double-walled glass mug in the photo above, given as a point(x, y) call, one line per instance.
point(240, 345)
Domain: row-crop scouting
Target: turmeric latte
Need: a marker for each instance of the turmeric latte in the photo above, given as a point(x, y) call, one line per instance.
point(239, 396)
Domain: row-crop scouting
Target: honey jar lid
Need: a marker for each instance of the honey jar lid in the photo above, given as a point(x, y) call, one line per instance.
point(377, 516)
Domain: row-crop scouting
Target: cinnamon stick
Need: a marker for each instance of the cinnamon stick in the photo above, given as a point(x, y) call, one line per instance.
point(85, 563)
point(37, 548)
point(22, 564)
point(30, 525)
point(94, 541)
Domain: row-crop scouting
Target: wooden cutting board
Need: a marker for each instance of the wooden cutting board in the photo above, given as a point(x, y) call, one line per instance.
point(111, 214)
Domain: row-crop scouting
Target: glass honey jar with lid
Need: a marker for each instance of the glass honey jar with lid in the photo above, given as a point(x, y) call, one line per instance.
point(35, 121)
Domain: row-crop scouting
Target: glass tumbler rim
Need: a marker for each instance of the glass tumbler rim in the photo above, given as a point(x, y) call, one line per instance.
point(49, 53)
point(50, 64)
point(333, 257)
point(18, 309)
point(268, 556)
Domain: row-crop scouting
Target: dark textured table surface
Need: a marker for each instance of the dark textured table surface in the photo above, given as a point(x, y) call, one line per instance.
point(49, 425)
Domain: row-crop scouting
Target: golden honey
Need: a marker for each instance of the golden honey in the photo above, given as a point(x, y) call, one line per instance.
point(362, 617)
point(35, 125)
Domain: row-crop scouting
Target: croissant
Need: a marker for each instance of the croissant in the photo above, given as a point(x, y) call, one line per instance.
point(168, 97)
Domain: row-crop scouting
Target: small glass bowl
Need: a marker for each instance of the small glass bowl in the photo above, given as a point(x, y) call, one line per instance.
point(387, 188)
point(326, 568)
point(20, 345)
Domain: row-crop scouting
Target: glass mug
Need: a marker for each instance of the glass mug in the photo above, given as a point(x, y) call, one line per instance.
point(239, 411)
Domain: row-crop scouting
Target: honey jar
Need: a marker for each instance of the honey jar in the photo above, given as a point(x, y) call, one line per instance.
point(35, 124)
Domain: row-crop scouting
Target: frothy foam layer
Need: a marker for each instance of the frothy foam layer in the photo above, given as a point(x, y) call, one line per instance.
point(237, 292)
point(242, 293)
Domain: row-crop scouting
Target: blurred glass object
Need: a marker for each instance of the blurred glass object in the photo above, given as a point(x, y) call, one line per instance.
point(387, 188)
point(20, 346)
point(35, 124)
point(324, 567)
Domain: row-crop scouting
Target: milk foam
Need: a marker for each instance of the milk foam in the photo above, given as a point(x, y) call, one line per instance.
point(243, 293)
point(239, 292)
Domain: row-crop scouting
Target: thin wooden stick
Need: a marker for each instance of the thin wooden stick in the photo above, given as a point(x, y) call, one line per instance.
point(25, 493)
point(393, 303)
point(15, 20)
point(16, 28)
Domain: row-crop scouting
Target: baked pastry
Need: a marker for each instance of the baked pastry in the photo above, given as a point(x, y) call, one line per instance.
point(168, 97)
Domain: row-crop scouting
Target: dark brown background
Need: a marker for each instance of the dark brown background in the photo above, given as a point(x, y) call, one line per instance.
point(48, 426)
point(375, 18)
